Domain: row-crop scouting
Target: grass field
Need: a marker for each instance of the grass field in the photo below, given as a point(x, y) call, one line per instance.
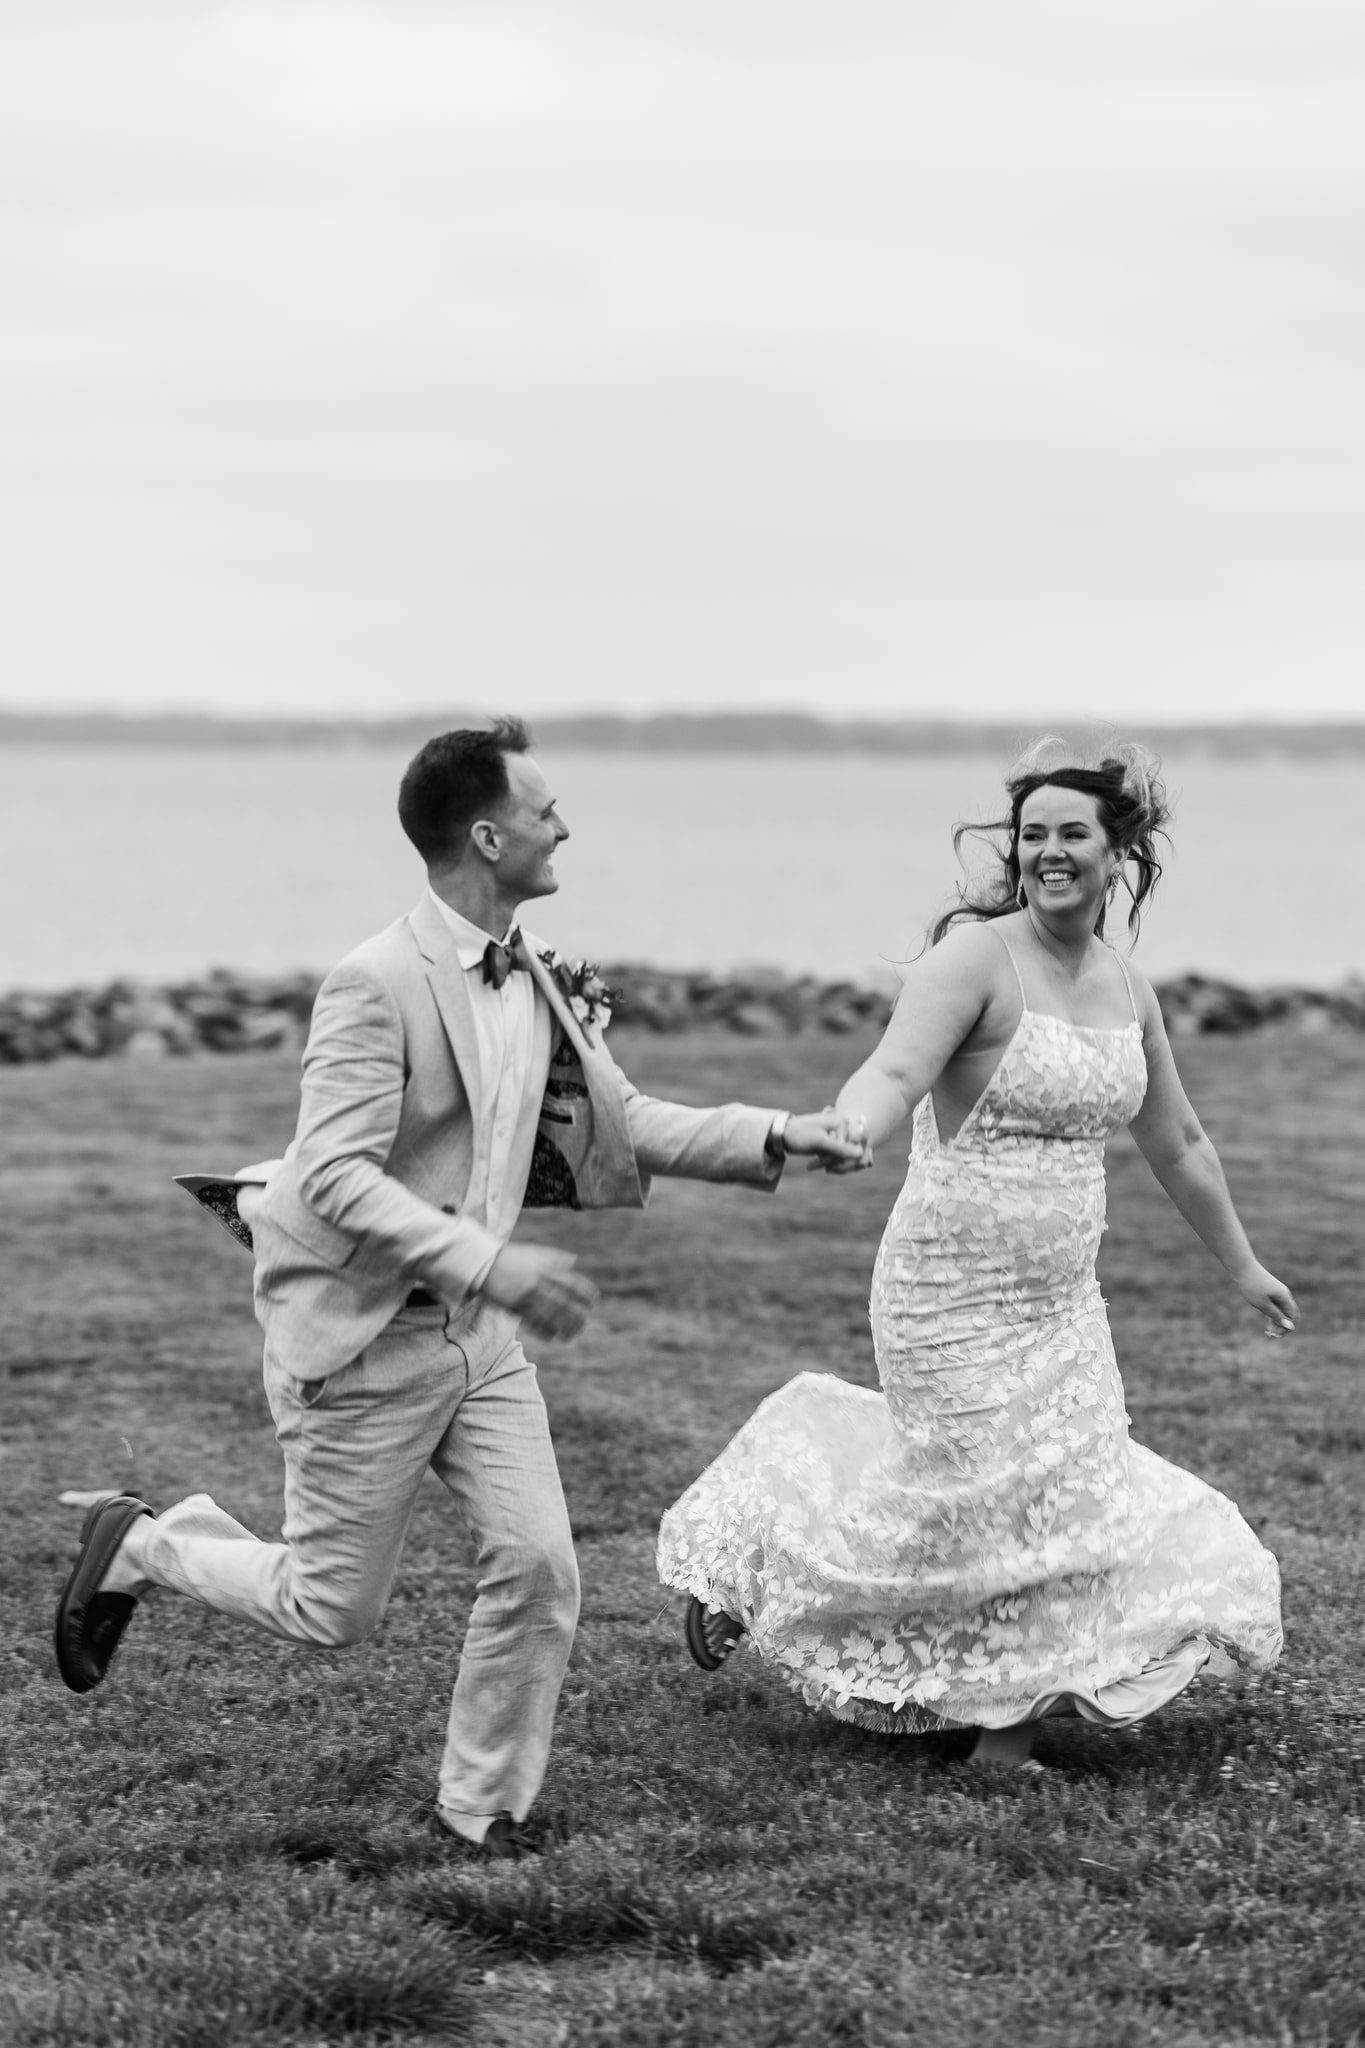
point(230, 1843)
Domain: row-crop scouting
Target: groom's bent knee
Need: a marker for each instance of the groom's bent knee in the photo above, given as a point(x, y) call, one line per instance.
point(538, 1580)
point(550, 1586)
point(335, 1617)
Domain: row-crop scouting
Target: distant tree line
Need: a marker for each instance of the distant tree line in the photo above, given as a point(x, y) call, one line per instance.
point(740, 732)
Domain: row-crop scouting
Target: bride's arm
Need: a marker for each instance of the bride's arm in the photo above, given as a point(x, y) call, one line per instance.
point(1181, 1155)
point(942, 998)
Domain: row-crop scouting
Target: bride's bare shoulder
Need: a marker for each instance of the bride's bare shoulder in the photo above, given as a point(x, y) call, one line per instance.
point(970, 958)
point(978, 947)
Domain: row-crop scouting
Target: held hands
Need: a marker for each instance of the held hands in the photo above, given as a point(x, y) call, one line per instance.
point(541, 1287)
point(1271, 1297)
point(829, 1140)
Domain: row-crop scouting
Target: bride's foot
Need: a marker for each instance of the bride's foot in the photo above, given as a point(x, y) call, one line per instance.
point(710, 1636)
point(1005, 1746)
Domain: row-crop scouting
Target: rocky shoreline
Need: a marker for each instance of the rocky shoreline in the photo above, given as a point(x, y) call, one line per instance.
point(225, 1012)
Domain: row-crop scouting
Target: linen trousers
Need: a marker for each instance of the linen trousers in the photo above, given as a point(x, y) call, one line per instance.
point(454, 1393)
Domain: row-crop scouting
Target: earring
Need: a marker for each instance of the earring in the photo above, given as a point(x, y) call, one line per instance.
point(1020, 898)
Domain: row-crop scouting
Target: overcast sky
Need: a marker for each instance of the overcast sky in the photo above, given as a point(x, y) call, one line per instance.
point(851, 357)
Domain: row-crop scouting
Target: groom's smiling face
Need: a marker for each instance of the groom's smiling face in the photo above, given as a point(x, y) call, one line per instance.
point(530, 830)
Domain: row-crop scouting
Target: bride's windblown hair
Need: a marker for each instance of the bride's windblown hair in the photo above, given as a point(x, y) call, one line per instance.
point(1130, 800)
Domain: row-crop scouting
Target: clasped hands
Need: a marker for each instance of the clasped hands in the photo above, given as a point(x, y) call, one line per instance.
point(836, 1143)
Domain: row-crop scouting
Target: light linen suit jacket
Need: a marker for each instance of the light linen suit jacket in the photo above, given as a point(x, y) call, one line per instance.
point(367, 1203)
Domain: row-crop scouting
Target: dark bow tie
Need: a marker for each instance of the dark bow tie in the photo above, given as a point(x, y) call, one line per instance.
point(499, 960)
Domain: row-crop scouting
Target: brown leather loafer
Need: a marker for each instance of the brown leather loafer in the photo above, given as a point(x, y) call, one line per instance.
point(89, 1622)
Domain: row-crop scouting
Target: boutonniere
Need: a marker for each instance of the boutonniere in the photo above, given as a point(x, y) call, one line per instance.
point(583, 989)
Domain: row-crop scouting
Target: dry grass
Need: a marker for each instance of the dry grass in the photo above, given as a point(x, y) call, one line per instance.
point(231, 1843)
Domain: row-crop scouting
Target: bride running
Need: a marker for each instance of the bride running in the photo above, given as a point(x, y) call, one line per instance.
point(982, 1544)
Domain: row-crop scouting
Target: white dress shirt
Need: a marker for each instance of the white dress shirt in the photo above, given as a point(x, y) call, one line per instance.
point(504, 1024)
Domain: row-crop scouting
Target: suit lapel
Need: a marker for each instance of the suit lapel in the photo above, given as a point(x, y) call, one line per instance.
point(549, 988)
point(544, 1031)
point(450, 986)
point(609, 1164)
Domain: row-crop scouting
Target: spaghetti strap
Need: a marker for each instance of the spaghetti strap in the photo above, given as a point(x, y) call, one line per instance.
point(1023, 999)
point(1128, 983)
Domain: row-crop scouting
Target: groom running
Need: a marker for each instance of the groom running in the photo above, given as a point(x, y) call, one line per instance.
point(391, 1298)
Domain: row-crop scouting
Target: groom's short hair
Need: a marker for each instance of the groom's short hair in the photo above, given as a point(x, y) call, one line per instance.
point(453, 780)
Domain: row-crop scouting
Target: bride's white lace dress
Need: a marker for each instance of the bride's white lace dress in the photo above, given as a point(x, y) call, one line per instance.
point(982, 1542)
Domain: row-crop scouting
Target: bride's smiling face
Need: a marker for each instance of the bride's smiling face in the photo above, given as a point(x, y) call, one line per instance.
point(1065, 856)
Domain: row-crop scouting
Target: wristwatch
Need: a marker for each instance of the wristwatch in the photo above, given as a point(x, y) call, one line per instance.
point(775, 1144)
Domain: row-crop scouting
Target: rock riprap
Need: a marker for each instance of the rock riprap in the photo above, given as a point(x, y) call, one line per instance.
point(223, 1011)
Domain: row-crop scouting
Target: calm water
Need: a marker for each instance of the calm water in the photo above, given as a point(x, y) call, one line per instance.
point(161, 863)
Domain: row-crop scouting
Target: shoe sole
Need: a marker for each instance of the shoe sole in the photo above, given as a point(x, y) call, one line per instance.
point(710, 1637)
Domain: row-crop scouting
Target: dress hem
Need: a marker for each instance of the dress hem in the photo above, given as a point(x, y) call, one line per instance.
point(1115, 1702)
